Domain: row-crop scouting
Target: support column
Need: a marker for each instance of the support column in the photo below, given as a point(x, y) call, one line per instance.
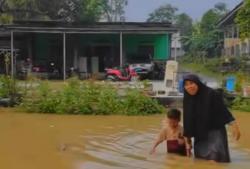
point(121, 49)
point(233, 38)
point(224, 50)
point(169, 38)
point(12, 53)
point(64, 56)
point(75, 62)
point(175, 47)
point(29, 46)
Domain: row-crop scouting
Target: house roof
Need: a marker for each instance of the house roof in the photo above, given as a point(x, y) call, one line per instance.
point(229, 17)
point(97, 27)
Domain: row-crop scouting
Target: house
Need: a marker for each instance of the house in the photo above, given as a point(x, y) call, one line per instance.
point(233, 45)
point(47, 46)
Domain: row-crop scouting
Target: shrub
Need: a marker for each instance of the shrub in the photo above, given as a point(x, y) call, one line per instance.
point(109, 102)
point(7, 86)
point(89, 98)
point(72, 100)
point(242, 104)
point(213, 64)
point(41, 99)
point(9, 89)
point(135, 103)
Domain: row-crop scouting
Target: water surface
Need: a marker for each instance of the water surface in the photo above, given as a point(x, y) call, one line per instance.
point(45, 141)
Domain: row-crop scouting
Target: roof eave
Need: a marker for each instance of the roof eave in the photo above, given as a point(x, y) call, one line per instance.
point(229, 14)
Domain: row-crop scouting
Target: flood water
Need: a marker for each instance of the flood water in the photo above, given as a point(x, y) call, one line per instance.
point(45, 141)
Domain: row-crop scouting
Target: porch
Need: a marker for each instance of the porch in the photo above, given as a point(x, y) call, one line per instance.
point(58, 49)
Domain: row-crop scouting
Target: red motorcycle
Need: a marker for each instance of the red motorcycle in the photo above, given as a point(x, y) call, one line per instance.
point(121, 74)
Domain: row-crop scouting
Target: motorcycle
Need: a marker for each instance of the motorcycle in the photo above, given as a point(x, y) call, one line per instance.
point(121, 74)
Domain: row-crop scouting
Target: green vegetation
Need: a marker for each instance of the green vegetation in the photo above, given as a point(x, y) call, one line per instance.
point(241, 103)
point(243, 21)
point(201, 38)
point(62, 10)
point(165, 13)
point(205, 39)
point(168, 13)
point(88, 97)
point(218, 67)
point(209, 67)
point(8, 87)
point(9, 91)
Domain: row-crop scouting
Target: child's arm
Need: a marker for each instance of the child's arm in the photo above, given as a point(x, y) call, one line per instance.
point(161, 137)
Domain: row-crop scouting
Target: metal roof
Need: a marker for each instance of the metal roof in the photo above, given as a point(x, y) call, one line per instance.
point(97, 27)
point(228, 18)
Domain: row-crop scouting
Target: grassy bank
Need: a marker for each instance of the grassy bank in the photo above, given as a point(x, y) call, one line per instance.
point(201, 69)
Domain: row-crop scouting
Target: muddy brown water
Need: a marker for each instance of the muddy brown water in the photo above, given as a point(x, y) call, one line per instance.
point(45, 141)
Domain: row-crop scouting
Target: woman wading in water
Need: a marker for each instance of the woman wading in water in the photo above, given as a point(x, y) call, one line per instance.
point(205, 117)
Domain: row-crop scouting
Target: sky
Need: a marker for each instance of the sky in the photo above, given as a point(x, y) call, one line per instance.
point(139, 10)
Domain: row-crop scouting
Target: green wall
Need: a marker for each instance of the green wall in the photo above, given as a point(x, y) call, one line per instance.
point(41, 46)
point(131, 42)
point(99, 38)
point(162, 47)
point(159, 42)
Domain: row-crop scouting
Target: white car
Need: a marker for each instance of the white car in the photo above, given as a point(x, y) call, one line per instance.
point(141, 68)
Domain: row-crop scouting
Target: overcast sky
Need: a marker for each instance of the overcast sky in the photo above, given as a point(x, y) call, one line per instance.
point(138, 10)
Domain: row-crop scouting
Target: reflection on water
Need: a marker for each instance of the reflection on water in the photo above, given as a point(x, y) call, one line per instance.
point(34, 141)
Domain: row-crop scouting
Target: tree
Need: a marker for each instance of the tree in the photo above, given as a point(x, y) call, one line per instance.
point(5, 19)
point(26, 9)
point(165, 13)
point(2, 5)
point(71, 10)
point(206, 38)
point(90, 10)
point(209, 20)
point(196, 40)
point(212, 16)
point(243, 21)
point(114, 10)
point(213, 36)
point(52, 9)
point(184, 23)
point(63, 10)
point(221, 7)
point(20, 9)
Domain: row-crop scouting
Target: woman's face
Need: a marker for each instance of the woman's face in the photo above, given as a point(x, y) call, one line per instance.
point(191, 87)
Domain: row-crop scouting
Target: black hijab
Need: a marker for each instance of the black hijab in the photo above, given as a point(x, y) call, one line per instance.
point(204, 111)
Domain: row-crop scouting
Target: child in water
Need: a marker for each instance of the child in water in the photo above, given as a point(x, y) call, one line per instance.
point(173, 134)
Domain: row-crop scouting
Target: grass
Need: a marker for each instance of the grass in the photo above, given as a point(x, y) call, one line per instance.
point(202, 69)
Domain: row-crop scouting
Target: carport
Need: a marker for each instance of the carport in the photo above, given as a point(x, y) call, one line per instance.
point(89, 48)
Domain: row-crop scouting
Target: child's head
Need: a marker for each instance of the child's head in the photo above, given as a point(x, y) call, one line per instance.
point(174, 117)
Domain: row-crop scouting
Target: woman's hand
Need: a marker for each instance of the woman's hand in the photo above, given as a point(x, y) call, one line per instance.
point(188, 152)
point(188, 145)
point(152, 151)
point(235, 130)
